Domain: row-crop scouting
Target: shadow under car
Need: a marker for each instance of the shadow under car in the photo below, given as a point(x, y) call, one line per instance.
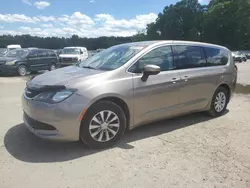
point(25, 146)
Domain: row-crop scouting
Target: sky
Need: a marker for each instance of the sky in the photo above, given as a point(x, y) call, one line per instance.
point(85, 18)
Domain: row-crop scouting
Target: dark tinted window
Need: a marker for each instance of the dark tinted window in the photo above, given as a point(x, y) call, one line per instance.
point(33, 54)
point(189, 56)
point(42, 53)
point(216, 57)
point(161, 57)
point(17, 53)
point(51, 53)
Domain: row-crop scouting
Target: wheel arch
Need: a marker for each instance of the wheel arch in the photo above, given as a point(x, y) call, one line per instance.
point(118, 101)
point(22, 63)
point(227, 87)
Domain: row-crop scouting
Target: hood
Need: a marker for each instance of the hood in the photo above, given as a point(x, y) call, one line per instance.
point(4, 59)
point(65, 76)
point(69, 55)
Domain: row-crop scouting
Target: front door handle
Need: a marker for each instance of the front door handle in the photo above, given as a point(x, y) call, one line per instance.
point(174, 80)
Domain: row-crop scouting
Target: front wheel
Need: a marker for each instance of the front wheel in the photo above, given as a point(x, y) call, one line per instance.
point(219, 102)
point(103, 125)
point(22, 70)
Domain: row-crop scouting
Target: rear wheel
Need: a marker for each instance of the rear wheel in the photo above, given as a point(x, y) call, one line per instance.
point(22, 70)
point(103, 125)
point(52, 67)
point(219, 102)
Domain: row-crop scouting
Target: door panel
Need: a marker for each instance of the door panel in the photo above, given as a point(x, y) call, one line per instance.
point(199, 78)
point(45, 60)
point(32, 60)
point(197, 86)
point(191, 62)
point(156, 98)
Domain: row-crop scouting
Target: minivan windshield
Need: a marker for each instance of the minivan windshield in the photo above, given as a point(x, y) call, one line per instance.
point(71, 51)
point(17, 53)
point(112, 58)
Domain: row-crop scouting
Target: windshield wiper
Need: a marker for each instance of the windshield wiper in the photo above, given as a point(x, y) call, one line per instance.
point(89, 67)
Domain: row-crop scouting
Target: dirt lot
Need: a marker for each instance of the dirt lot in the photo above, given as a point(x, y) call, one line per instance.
point(191, 151)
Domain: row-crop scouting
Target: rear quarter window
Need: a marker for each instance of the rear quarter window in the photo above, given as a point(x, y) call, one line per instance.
point(216, 57)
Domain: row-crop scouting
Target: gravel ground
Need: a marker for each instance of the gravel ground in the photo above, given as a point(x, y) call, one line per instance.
point(190, 151)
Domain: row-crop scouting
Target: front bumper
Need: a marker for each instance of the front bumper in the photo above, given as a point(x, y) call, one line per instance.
point(63, 116)
point(63, 63)
point(8, 69)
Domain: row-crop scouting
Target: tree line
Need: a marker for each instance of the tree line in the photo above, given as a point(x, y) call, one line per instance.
point(223, 22)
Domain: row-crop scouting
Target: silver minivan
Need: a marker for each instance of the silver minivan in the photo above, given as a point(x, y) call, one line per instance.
point(126, 86)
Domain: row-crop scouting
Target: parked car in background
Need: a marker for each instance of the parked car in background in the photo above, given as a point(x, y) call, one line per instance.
point(23, 61)
point(239, 57)
point(247, 54)
point(72, 55)
point(99, 50)
point(126, 86)
point(13, 47)
point(3, 51)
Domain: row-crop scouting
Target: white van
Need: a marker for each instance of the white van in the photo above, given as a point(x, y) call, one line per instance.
point(13, 47)
point(71, 55)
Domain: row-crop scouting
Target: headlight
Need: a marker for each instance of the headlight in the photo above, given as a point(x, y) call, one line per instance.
point(61, 95)
point(54, 97)
point(10, 62)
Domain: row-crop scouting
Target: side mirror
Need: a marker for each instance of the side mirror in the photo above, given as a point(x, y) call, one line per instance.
point(81, 52)
point(150, 70)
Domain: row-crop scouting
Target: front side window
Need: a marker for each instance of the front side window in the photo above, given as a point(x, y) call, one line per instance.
point(161, 57)
point(216, 57)
point(17, 53)
point(189, 56)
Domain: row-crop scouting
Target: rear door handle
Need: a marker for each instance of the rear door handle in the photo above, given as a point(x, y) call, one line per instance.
point(185, 78)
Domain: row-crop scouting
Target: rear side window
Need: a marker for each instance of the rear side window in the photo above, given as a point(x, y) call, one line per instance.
point(51, 53)
point(216, 57)
point(33, 54)
point(189, 56)
point(42, 53)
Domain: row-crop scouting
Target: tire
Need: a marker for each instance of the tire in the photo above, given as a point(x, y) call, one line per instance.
point(52, 67)
point(22, 70)
point(100, 136)
point(221, 97)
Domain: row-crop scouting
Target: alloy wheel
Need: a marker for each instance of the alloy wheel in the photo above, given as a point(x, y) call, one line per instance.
point(220, 101)
point(104, 126)
point(22, 70)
